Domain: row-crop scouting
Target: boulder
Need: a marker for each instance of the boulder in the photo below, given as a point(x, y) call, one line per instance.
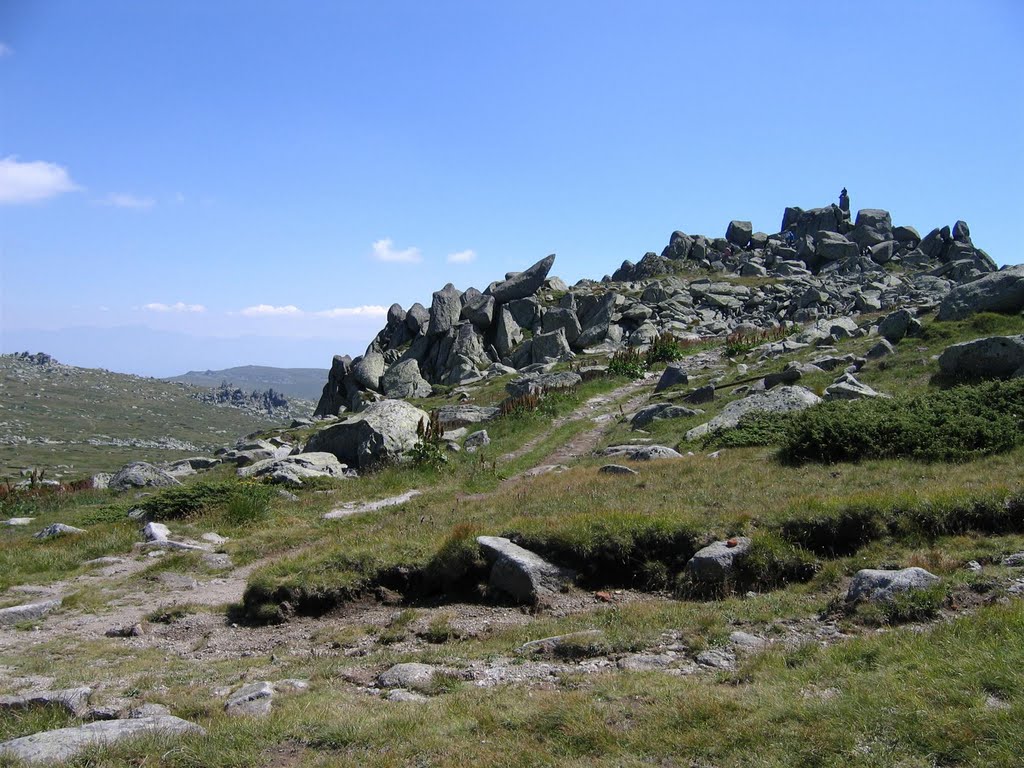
point(994, 357)
point(445, 310)
point(292, 470)
point(1001, 291)
point(507, 333)
point(847, 387)
point(617, 469)
point(476, 440)
point(551, 347)
point(139, 474)
point(595, 323)
point(28, 612)
point(408, 676)
point(335, 392)
point(778, 400)
point(881, 585)
point(539, 383)
point(417, 319)
point(832, 246)
point(382, 432)
point(715, 564)
point(659, 412)
point(642, 452)
point(403, 379)
point(54, 530)
point(896, 325)
point(74, 701)
point(872, 227)
point(155, 532)
point(50, 747)
point(739, 233)
point(522, 284)
point(564, 319)
point(368, 370)
point(453, 416)
point(673, 375)
point(479, 310)
point(520, 573)
point(882, 349)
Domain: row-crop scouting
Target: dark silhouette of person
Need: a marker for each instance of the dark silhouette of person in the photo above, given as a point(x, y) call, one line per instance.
point(844, 201)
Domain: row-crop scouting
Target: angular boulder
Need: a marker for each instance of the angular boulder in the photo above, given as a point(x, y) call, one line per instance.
point(522, 284)
point(445, 310)
point(28, 612)
point(673, 375)
point(539, 383)
point(551, 347)
point(896, 325)
point(523, 575)
point(848, 387)
point(292, 470)
point(454, 416)
point(140, 474)
point(383, 432)
point(778, 400)
point(995, 357)
point(403, 379)
point(659, 412)
point(368, 370)
point(1001, 291)
point(739, 233)
point(252, 700)
point(715, 564)
point(875, 585)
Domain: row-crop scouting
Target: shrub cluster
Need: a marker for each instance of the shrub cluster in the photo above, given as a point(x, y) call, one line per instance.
point(955, 425)
point(243, 502)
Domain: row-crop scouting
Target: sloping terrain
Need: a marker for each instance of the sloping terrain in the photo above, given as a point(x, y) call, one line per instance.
point(301, 383)
point(799, 545)
point(78, 421)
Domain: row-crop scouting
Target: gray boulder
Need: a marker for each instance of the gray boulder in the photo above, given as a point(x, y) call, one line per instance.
point(507, 333)
point(408, 676)
point(896, 325)
point(715, 564)
point(445, 310)
point(872, 227)
point(564, 319)
point(139, 474)
point(368, 370)
point(252, 700)
point(673, 375)
point(74, 701)
point(617, 469)
point(522, 284)
point(454, 416)
point(833, 246)
point(660, 412)
point(847, 387)
point(778, 400)
point(551, 347)
point(479, 310)
point(739, 233)
point(881, 586)
point(476, 440)
point(539, 383)
point(383, 432)
point(417, 319)
point(54, 530)
point(50, 747)
point(403, 379)
point(292, 470)
point(596, 323)
point(994, 357)
point(1001, 291)
point(519, 573)
point(28, 612)
point(642, 452)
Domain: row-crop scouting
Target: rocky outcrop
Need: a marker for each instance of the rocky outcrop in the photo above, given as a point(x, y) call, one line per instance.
point(778, 400)
point(139, 474)
point(995, 357)
point(522, 284)
point(1002, 291)
point(383, 432)
point(292, 470)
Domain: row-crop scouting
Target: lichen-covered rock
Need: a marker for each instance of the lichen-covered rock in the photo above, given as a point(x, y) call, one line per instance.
point(989, 358)
point(140, 474)
point(882, 585)
point(522, 284)
point(519, 573)
point(715, 564)
point(1001, 291)
point(778, 400)
point(384, 431)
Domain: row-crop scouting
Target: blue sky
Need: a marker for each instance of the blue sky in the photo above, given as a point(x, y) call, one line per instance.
point(196, 185)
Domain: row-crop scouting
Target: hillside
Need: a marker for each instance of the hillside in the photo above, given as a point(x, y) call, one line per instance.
point(301, 383)
point(78, 421)
point(755, 501)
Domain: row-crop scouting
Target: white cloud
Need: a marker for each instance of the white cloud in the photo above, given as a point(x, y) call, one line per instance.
point(179, 306)
point(267, 310)
point(33, 181)
point(5, 50)
point(462, 257)
point(365, 311)
point(118, 200)
point(384, 250)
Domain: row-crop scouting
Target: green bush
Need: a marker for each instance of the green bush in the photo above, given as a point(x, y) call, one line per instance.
point(956, 425)
point(754, 429)
point(181, 501)
point(249, 504)
point(628, 363)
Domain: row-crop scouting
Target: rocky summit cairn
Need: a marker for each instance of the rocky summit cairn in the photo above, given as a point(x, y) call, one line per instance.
point(823, 263)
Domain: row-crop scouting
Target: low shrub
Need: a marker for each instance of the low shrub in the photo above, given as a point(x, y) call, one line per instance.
point(182, 501)
point(756, 428)
point(628, 363)
point(954, 425)
point(248, 504)
point(912, 605)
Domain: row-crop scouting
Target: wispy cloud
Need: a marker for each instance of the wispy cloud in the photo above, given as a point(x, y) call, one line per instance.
point(384, 250)
point(5, 50)
point(268, 310)
point(365, 311)
point(122, 200)
point(179, 306)
point(32, 181)
point(461, 257)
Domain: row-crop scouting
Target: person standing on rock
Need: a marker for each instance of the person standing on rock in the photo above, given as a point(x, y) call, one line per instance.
point(844, 202)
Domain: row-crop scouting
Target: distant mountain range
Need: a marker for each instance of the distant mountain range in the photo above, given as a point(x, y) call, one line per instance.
point(303, 383)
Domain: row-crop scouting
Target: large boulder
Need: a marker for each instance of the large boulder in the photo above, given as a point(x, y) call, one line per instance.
point(523, 575)
point(479, 310)
point(507, 333)
point(739, 233)
point(522, 284)
point(403, 380)
point(896, 325)
point(445, 310)
point(565, 319)
point(596, 322)
point(832, 246)
point(660, 412)
point(1001, 291)
point(882, 586)
point(417, 319)
point(550, 347)
point(994, 357)
point(872, 227)
point(715, 564)
point(539, 383)
point(383, 432)
point(778, 400)
point(454, 416)
point(292, 470)
point(335, 393)
point(51, 747)
point(139, 474)
point(368, 370)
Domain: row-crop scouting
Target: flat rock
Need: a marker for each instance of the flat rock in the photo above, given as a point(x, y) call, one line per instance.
point(27, 612)
point(642, 452)
point(292, 470)
point(140, 474)
point(617, 469)
point(408, 676)
point(520, 573)
point(539, 383)
point(16, 521)
point(359, 507)
point(778, 400)
point(49, 747)
point(660, 412)
point(400, 694)
point(848, 387)
point(882, 585)
point(58, 529)
point(75, 701)
point(454, 416)
point(252, 700)
point(549, 645)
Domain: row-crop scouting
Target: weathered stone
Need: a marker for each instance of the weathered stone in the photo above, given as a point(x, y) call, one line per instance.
point(739, 233)
point(673, 375)
point(778, 400)
point(989, 358)
point(641, 452)
point(507, 334)
point(596, 323)
point(564, 319)
point(27, 612)
point(1001, 291)
point(551, 347)
point(659, 412)
point(402, 695)
point(74, 701)
point(252, 700)
point(617, 469)
point(539, 383)
point(368, 370)
point(50, 747)
point(479, 310)
point(384, 431)
point(701, 395)
point(292, 470)
point(452, 416)
point(882, 349)
point(524, 283)
point(897, 325)
point(476, 440)
point(881, 585)
point(139, 474)
point(156, 532)
point(519, 573)
point(847, 387)
point(403, 380)
point(408, 676)
point(832, 246)
point(54, 530)
point(417, 319)
point(445, 310)
point(715, 564)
